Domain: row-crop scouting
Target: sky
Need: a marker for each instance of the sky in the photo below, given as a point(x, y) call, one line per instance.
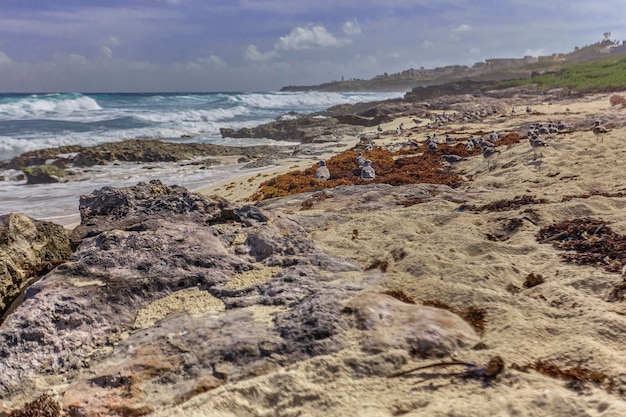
point(263, 45)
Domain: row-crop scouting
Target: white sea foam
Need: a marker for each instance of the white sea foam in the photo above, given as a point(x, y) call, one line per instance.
point(47, 106)
point(311, 100)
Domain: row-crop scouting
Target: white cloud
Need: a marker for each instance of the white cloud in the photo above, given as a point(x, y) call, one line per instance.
point(308, 38)
point(474, 51)
point(4, 59)
point(536, 52)
point(456, 32)
point(212, 61)
point(112, 41)
point(427, 44)
point(107, 52)
point(252, 53)
point(351, 27)
point(77, 59)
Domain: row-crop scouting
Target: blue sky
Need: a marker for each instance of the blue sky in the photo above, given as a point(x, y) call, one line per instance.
point(259, 45)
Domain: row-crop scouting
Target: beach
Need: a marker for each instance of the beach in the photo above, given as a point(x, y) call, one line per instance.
point(565, 321)
point(482, 248)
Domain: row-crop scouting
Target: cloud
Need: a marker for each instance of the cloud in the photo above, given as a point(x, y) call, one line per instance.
point(4, 59)
point(351, 27)
point(212, 62)
point(427, 44)
point(107, 52)
point(252, 53)
point(456, 32)
point(308, 38)
point(474, 51)
point(536, 52)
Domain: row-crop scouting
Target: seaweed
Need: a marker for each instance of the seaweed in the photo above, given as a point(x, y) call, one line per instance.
point(44, 406)
point(487, 373)
point(586, 241)
point(381, 264)
point(475, 316)
point(314, 199)
point(401, 296)
point(576, 377)
point(532, 280)
point(506, 205)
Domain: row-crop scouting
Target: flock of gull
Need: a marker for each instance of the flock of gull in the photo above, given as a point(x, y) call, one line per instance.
point(538, 134)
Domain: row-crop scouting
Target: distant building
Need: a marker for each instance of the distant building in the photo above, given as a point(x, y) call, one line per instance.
point(616, 49)
point(499, 63)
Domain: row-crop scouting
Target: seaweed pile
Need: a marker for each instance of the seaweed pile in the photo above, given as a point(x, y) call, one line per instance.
point(409, 166)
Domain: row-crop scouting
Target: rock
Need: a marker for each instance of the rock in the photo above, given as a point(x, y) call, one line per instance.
point(28, 248)
point(44, 174)
point(133, 150)
point(423, 331)
point(301, 128)
point(138, 245)
point(260, 163)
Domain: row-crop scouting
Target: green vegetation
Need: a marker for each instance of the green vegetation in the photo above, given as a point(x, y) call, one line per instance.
point(606, 74)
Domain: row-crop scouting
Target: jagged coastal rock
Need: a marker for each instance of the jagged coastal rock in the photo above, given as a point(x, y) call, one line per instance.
point(108, 320)
point(28, 248)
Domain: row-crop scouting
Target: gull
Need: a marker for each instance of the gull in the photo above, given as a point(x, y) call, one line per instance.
point(452, 160)
point(599, 131)
point(449, 139)
point(322, 172)
point(367, 172)
point(537, 142)
point(360, 159)
point(488, 154)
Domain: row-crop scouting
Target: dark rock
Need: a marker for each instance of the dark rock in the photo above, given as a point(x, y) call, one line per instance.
point(139, 244)
point(44, 174)
point(260, 163)
point(133, 150)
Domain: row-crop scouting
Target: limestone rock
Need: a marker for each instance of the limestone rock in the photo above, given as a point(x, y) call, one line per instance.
point(28, 247)
point(421, 330)
point(140, 244)
point(44, 174)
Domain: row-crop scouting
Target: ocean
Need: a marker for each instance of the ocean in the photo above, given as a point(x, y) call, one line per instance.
point(35, 121)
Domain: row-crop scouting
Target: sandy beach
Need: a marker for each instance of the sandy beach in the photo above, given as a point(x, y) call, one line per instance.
point(463, 258)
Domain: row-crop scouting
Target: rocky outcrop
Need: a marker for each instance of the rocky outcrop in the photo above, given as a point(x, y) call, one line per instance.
point(265, 296)
point(44, 174)
point(300, 128)
point(28, 248)
point(134, 150)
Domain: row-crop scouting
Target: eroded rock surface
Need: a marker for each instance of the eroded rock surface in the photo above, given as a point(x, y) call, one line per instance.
point(136, 247)
point(28, 247)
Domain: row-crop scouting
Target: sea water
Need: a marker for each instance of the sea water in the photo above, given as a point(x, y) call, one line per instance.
point(35, 121)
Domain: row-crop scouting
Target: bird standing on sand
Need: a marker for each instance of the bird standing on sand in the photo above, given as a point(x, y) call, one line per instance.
point(599, 131)
point(452, 160)
point(367, 172)
point(360, 159)
point(488, 154)
point(537, 142)
point(322, 173)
